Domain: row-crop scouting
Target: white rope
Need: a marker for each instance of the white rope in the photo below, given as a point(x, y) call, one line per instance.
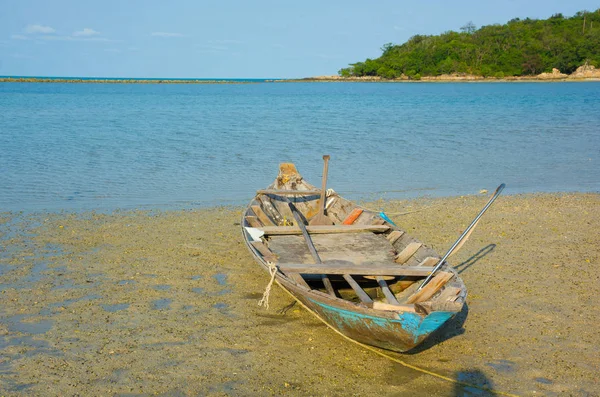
point(265, 298)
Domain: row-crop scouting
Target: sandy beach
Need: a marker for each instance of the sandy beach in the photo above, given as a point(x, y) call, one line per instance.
point(165, 303)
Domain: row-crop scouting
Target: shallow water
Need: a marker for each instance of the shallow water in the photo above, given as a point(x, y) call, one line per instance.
point(107, 146)
point(131, 303)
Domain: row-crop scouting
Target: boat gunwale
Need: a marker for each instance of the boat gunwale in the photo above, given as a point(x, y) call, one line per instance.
point(335, 301)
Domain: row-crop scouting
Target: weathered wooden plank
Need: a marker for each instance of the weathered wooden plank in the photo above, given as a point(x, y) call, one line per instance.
point(281, 230)
point(407, 252)
point(270, 209)
point(429, 261)
point(394, 236)
point(449, 294)
point(395, 308)
point(310, 245)
point(258, 211)
point(253, 221)
point(264, 251)
point(345, 268)
point(298, 279)
point(378, 221)
point(362, 295)
point(431, 288)
point(281, 192)
point(389, 295)
point(359, 248)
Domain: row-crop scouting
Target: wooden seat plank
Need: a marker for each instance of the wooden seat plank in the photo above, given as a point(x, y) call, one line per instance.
point(281, 192)
point(429, 261)
point(345, 268)
point(408, 251)
point(283, 230)
point(431, 288)
point(394, 236)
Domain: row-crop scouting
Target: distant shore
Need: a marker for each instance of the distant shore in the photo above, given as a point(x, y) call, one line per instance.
point(583, 73)
point(108, 80)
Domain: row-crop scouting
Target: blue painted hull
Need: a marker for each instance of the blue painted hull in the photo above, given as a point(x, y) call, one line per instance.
point(401, 334)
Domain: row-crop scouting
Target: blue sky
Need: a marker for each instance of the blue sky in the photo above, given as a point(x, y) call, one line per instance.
point(224, 38)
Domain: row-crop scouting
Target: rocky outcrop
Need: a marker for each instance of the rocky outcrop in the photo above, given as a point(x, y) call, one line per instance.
point(453, 77)
point(585, 72)
point(555, 75)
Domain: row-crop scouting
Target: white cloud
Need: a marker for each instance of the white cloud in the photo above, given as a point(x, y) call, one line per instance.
point(71, 38)
point(18, 37)
point(34, 29)
point(213, 47)
point(166, 34)
point(226, 41)
point(86, 32)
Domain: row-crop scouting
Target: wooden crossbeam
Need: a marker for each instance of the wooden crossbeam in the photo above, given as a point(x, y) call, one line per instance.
point(286, 230)
point(362, 295)
point(298, 279)
point(289, 192)
point(367, 270)
point(389, 295)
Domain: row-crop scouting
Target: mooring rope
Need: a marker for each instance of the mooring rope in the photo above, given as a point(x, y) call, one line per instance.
point(382, 354)
point(265, 298)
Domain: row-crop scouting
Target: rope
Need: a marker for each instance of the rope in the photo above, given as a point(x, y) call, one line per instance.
point(265, 298)
point(394, 359)
point(402, 213)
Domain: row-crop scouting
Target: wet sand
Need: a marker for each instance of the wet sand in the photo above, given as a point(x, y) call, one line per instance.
point(165, 303)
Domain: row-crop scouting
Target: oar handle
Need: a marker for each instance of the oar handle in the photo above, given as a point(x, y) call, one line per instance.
point(462, 236)
point(326, 158)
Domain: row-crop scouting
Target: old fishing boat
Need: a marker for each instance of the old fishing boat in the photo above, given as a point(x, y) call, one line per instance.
point(351, 267)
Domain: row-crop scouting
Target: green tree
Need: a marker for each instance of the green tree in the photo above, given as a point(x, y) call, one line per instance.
point(518, 47)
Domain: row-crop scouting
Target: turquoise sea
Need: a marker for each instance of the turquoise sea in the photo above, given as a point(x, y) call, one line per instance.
point(109, 146)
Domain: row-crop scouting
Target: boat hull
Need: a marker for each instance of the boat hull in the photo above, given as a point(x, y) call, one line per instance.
point(399, 332)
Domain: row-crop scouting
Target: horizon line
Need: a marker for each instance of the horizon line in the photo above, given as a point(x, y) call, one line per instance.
point(145, 78)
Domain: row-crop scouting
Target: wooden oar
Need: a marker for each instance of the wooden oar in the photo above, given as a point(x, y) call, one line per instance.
point(310, 244)
point(462, 236)
point(321, 218)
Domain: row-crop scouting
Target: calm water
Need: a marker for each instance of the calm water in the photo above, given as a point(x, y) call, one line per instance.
point(108, 146)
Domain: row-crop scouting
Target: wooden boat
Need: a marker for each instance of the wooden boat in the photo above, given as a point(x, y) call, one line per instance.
point(364, 279)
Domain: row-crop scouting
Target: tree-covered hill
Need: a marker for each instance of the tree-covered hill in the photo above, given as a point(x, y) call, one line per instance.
point(519, 47)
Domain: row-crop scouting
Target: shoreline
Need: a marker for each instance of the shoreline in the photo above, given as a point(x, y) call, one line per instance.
point(145, 301)
point(109, 80)
point(317, 79)
point(240, 204)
